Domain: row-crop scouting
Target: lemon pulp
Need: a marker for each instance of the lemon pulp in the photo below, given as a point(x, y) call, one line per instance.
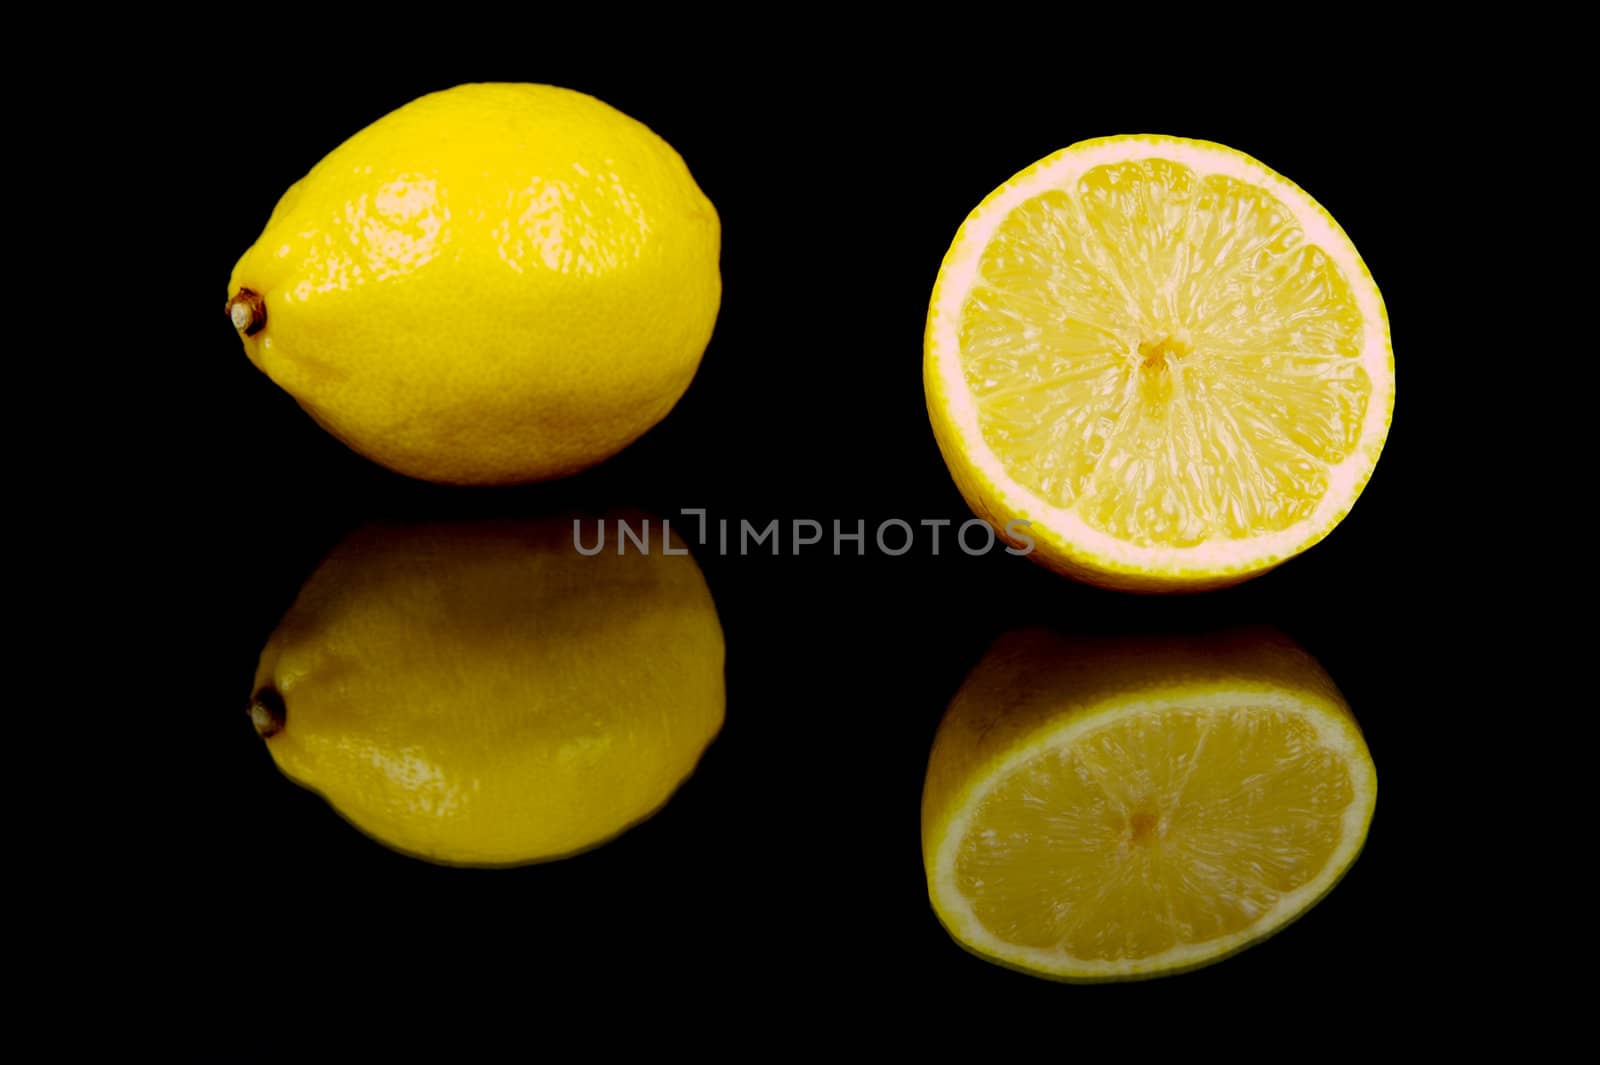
point(1155, 833)
point(1165, 356)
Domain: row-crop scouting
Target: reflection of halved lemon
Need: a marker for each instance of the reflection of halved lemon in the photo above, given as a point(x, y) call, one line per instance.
point(1112, 810)
point(1166, 357)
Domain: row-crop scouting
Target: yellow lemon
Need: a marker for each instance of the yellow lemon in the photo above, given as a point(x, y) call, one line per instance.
point(1108, 810)
point(1167, 359)
point(485, 694)
point(493, 284)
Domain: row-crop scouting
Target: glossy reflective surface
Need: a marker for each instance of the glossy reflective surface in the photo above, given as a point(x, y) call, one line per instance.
point(788, 868)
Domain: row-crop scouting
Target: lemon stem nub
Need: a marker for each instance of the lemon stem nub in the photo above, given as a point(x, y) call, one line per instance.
point(267, 713)
point(248, 312)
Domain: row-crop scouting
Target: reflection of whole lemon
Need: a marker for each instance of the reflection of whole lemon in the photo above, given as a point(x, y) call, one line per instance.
point(493, 284)
point(483, 694)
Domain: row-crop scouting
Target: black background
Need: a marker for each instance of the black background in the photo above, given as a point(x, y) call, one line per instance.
point(788, 869)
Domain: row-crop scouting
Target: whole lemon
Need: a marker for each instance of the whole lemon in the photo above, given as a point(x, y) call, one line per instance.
point(485, 694)
point(493, 284)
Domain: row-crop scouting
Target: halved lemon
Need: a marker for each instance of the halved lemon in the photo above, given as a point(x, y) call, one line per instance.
point(1166, 358)
point(1112, 810)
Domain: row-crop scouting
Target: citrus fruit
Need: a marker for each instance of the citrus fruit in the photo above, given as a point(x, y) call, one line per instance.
point(1105, 810)
point(1165, 357)
point(484, 694)
point(493, 284)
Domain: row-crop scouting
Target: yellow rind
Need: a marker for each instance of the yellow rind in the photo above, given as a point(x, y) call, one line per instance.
point(493, 284)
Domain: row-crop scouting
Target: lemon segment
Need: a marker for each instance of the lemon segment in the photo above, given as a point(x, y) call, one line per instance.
point(1167, 358)
point(1149, 816)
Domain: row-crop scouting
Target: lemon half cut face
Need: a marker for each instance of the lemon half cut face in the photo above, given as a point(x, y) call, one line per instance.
point(1167, 357)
